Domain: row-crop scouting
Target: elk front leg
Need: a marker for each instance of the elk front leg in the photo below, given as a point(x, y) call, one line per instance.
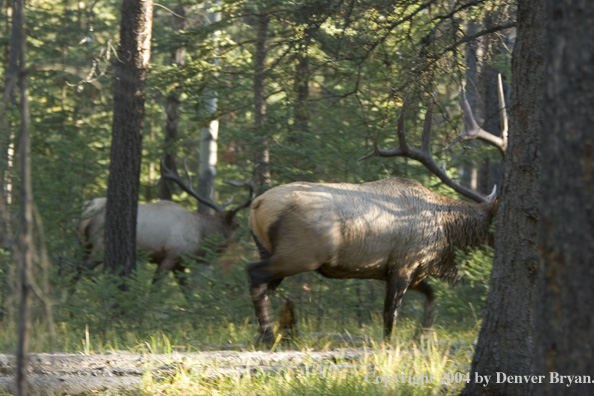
point(395, 289)
point(182, 280)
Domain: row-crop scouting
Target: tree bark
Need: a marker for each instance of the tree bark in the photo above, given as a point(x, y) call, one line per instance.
point(262, 155)
point(505, 342)
point(126, 145)
point(565, 326)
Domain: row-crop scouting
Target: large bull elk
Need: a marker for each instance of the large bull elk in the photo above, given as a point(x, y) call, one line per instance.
point(394, 230)
point(165, 230)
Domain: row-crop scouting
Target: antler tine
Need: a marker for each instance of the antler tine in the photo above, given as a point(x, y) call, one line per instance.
point(174, 176)
point(502, 112)
point(424, 155)
point(252, 195)
point(474, 131)
point(229, 202)
point(398, 151)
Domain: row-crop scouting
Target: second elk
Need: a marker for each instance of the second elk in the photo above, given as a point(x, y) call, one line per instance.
point(165, 230)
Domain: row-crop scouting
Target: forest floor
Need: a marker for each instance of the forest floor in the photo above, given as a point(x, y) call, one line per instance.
point(75, 374)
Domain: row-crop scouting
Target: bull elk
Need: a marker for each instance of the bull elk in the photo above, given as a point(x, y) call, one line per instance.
point(394, 230)
point(166, 230)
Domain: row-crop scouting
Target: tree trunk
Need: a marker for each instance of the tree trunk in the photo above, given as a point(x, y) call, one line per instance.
point(490, 172)
point(26, 222)
point(564, 334)
point(208, 157)
point(474, 64)
point(172, 109)
point(7, 135)
point(262, 155)
point(482, 95)
point(505, 341)
point(126, 145)
point(208, 138)
point(301, 110)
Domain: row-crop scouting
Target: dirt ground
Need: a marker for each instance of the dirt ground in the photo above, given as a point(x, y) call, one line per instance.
point(75, 374)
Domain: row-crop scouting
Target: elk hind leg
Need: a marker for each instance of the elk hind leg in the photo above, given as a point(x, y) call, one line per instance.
point(261, 285)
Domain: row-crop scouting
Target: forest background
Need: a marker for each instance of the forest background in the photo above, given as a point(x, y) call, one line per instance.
point(307, 86)
point(334, 80)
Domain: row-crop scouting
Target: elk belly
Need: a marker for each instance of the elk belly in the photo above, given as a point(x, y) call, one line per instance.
point(348, 269)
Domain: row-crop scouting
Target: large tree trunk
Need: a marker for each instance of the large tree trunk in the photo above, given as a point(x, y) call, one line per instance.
point(565, 328)
point(262, 155)
point(505, 341)
point(126, 145)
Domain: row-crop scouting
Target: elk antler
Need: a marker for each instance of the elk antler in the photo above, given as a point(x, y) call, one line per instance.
point(247, 184)
point(423, 155)
point(474, 131)
point(174, 176)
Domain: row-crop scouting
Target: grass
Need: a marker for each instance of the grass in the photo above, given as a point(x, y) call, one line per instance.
point(406, 366)
point(99, 319)
point(402, 368)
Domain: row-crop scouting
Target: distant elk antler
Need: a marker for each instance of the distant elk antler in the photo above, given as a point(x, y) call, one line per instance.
point(174, 176)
